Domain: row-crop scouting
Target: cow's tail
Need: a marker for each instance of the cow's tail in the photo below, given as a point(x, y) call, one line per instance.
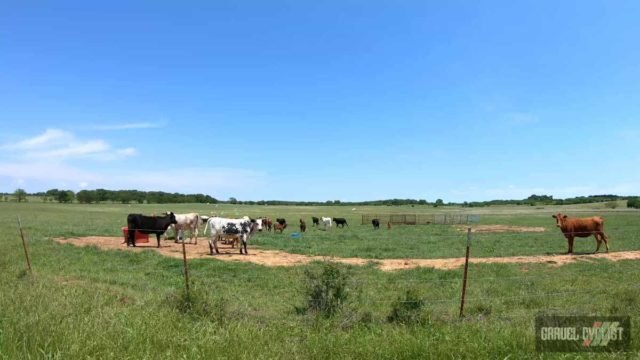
point(205, 228)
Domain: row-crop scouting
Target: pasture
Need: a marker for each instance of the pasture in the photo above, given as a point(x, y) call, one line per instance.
point(86, 302)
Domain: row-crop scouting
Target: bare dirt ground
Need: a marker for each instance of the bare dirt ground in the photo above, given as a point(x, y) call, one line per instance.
point(281, 258)
point(500, 228)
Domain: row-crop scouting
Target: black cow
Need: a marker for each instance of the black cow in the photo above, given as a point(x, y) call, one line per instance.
point(148, 225)
point(340, 222)
point(375, 223)
point(316, 221)
point(281, 221)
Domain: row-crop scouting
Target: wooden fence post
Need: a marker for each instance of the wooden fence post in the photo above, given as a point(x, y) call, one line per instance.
point(186, 268)
point(464, 277)
point(24, 245)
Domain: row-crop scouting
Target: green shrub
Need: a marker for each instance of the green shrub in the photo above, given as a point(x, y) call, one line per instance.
point(325, 290)
point(611, 204)
point(408, 310)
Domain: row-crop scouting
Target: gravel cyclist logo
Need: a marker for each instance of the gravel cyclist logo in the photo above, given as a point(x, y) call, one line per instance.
point(582, 333)
point(601, 333)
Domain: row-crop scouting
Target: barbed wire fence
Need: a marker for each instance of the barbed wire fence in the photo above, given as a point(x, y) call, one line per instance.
point(524, 286)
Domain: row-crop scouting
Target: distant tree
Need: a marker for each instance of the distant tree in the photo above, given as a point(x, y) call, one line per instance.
point(64, 196)
point(20, 195)
point(438, 202)
point(539, 199)
point(52, 193)
point(103, 195)
point(86, 196)
point(233, 200)
point(633, 202)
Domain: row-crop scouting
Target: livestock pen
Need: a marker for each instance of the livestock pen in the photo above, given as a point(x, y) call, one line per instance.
point(421, 219)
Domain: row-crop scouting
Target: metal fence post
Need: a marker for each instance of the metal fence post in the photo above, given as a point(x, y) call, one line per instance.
point(24, 245)
point(186, 268)
point(464, 277)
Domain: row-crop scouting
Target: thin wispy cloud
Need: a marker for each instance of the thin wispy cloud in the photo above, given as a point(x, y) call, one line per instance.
point(55, 144)
point(50, 137)
point(127, 152)
point(76, 149)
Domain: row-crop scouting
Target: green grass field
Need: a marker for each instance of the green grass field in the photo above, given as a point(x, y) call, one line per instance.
point(88, 303)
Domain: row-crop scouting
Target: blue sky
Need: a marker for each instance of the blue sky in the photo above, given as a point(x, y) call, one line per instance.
point(336, 100)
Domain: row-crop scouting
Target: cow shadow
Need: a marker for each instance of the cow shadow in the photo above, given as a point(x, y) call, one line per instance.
point(565, 253)
point(226, 253)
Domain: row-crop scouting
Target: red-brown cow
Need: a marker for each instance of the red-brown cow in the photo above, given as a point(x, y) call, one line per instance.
point(267, 222)
point(581, 227)
point(279, 227)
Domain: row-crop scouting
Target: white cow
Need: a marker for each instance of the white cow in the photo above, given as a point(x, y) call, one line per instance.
point(242, 228)
point(326, 221)
point(189, 222)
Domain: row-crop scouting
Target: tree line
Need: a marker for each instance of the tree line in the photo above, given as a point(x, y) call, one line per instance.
point(160, 197)
point(121, 196)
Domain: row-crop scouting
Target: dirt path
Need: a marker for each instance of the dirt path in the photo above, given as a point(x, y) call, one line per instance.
point(500, 228)
point(281, 258)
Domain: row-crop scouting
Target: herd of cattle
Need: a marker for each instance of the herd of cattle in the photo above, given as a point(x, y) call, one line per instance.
point(235, 230)
point(239, 230)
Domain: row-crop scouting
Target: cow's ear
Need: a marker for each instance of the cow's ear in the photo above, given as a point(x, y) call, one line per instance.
point(564, 216)
point(553, 216)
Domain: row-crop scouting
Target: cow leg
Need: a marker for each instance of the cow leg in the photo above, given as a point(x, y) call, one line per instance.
point(243, 244)
point(196, 237)
point(600, 236)
point(570, 242)
point(158, 238)
point(131, 239)
point(215, 244)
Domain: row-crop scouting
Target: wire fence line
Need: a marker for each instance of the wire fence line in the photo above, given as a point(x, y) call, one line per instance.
point(619, 230)
point(524, 280)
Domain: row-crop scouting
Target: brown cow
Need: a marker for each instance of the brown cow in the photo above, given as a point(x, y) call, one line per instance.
point(303, 226)
point(581, 227)
point(267, 222)
point(279, 227)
